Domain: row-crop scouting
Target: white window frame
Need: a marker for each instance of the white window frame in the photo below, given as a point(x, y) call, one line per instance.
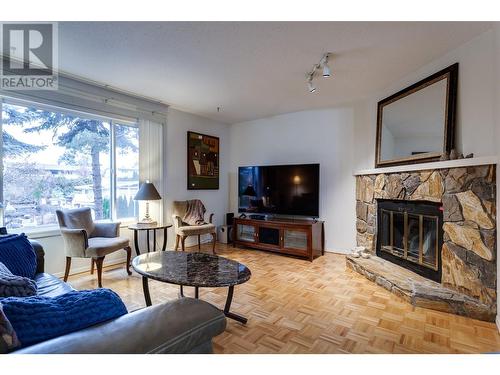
point(50, 229)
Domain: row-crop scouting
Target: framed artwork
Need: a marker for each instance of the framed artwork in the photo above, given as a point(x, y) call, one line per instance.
point(202, 161)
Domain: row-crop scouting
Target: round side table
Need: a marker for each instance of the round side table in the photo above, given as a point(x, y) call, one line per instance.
point(149, 227)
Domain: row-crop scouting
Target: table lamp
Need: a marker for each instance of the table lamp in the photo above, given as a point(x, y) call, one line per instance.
point(250, 191)
point(147, 192)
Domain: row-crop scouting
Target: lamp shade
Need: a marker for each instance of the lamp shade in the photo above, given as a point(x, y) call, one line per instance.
point(147, 192)
point(250, 191)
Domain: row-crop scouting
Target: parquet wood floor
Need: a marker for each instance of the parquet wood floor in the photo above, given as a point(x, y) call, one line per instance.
point(295, 306)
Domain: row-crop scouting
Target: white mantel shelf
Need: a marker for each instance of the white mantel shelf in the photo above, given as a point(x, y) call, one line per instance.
point(486, 160)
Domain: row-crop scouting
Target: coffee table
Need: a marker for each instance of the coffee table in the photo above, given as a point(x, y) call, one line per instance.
point(199, 270)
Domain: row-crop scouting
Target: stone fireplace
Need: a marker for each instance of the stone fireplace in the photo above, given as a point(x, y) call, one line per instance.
point(432, 235)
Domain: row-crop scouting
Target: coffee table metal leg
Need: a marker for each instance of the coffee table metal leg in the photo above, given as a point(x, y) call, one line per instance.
point(145, 287)
point(196, 292)
point(227, 307)
point(181, 291)
point(164, 239)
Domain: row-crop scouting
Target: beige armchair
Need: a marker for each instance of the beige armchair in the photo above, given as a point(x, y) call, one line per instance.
point(83, 238)
point(184, 230)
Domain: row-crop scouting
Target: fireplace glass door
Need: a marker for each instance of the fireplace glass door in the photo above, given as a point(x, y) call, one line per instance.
point(410, 234)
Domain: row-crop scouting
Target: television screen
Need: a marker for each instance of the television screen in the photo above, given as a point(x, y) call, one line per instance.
point(279, 189)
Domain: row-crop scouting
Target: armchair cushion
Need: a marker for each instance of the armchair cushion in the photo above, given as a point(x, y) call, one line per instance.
point(106, 230)
point(192, 230)
point(102, 246)
point(18, 255)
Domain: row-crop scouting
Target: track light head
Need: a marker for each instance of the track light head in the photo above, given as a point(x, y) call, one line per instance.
point(310, 85)
point(326, 68)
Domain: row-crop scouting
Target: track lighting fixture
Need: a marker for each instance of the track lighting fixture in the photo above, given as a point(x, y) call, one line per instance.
point(323, 63)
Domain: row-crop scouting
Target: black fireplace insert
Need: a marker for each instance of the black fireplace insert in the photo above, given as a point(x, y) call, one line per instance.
point(410, 234)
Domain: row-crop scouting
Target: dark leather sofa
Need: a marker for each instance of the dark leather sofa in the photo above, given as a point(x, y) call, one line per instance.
point(185, 325)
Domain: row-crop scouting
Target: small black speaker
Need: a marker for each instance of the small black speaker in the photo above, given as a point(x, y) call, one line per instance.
point(229, 218)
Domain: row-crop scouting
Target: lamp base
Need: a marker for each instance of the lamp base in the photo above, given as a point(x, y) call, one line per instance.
point(147, 221)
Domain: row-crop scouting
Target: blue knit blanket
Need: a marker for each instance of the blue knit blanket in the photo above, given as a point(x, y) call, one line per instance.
point(37, 319)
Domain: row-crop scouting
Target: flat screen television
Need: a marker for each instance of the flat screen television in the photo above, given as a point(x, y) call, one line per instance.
point(279, 189)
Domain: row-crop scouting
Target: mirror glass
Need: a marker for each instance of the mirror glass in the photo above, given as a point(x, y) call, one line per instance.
point(414, 125)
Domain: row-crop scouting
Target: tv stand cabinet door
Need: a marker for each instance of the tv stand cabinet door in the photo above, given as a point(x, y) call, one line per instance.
point(297, 240)
point(245, 232)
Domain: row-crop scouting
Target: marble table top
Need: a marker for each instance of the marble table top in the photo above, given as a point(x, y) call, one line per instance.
point(191, 269)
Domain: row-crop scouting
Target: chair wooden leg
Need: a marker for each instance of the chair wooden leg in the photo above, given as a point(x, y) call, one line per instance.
point(177, 238)
point(214, 239)
point(98, 262)
point(68, 266)
point(92, 263)
point(183, 239)
point(128, 249)
point(199, 242)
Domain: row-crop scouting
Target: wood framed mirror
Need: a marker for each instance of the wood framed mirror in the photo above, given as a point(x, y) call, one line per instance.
point(417, 124)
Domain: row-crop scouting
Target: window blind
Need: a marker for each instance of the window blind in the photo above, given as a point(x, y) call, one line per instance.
point(87, 96)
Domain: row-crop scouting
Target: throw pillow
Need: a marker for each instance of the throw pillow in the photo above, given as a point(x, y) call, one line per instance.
point(18, 255)
point(15, 286)
point(8, 337)
point(37, 319)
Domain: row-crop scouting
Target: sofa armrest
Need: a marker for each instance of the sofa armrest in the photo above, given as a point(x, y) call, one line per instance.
point(181, 326)
point(40, 256)
point(108, 230)
point(75, 241)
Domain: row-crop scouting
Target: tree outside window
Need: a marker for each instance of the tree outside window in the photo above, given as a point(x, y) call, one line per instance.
point(54, 160)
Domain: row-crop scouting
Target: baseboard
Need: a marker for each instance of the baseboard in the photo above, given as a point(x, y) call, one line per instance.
point(338, 251)
point(75, 271)
point(498, 323)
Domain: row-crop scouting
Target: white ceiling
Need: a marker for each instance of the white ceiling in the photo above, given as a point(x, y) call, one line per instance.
point(253, 69)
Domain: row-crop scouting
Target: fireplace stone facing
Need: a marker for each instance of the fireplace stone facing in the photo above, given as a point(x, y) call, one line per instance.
point(468, 252)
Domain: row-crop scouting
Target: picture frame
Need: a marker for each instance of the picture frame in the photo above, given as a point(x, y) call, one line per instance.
point(203, 157)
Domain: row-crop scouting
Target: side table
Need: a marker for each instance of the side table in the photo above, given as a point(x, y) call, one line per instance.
point(149, 227)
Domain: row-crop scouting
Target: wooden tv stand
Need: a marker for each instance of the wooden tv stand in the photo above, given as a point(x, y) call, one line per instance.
point(303, 238)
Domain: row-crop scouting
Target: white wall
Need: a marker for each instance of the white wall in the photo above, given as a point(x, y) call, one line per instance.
point(175, 164)
point(476, 101)
point(318, 136)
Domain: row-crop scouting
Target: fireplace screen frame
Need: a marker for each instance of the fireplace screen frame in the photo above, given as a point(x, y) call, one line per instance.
point(400, 256)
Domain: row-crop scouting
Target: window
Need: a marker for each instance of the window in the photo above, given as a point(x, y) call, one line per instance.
point(127, 170)
point(56, 160)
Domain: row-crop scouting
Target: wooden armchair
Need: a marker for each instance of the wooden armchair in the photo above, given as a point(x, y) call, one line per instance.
point(184, 230)
point(85, 239)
